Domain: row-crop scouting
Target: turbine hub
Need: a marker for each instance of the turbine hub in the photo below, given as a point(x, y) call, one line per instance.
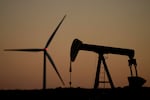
point(46, 49)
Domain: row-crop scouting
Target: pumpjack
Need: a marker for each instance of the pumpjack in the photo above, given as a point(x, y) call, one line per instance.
point(134, 81)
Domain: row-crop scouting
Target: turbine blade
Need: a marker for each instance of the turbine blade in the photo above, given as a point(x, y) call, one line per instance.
point(52, 62)
point(25, 50)
point(50, 39)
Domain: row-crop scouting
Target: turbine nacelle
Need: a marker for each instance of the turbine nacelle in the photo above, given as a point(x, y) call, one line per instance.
point(45, 49)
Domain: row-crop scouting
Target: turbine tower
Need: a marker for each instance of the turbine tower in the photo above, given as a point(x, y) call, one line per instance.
point(46, 54)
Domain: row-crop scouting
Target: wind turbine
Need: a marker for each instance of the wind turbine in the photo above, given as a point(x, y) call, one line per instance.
point(46, 54)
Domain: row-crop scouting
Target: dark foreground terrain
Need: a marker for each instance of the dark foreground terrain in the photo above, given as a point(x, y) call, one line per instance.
point(79, 93)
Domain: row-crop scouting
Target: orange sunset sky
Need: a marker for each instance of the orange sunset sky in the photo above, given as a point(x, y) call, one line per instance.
point(29, 24)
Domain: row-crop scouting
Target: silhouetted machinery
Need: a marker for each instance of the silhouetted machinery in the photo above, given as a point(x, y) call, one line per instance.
point(134, 81)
